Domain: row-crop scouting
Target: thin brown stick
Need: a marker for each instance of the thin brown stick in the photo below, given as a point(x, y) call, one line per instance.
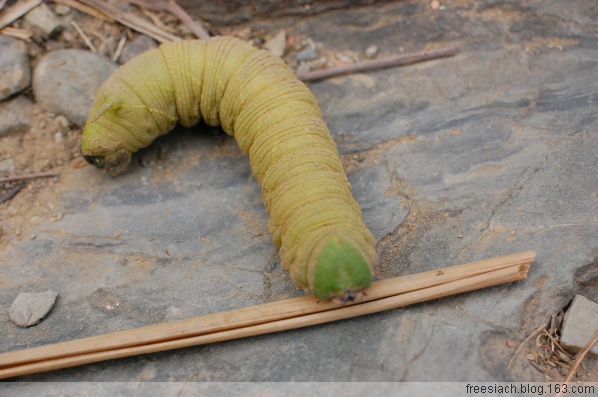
point(30, 176)
point(578, 360)
point(526, 340)
point(399, 60)
point(119, 48)
point(85, 38)
point(556, 343)
point(13, 13)
point(175, 9)
point(266, 318)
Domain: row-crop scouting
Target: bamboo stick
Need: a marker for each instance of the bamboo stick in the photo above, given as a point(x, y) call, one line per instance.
point(267, 318)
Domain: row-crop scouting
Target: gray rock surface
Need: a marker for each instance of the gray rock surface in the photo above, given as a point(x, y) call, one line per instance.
point(239, 11)
point(29, 309)
point(65, 82)
point(138, 46)
point(491, 152)
point(15, 73)
point(580, 325)
point(16, 115)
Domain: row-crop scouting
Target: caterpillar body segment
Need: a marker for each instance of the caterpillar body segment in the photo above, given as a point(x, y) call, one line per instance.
point(275, 119)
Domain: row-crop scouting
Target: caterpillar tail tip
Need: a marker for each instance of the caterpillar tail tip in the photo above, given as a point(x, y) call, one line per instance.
point(341, 273)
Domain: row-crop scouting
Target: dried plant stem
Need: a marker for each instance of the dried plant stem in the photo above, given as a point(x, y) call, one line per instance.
point(84, 37)
point(119, 48)
point(523, 344)
point(556, 343)
point(399, 60)
point(266, 318)
point(578, 360)
point(30, 176)
point(21, 34)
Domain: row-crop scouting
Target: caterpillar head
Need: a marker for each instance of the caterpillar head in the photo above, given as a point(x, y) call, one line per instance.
point(107, 140)
point(113, 162)
point(103, 148)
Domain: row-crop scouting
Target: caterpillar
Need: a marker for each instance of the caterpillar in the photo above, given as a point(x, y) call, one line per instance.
point(256, 98)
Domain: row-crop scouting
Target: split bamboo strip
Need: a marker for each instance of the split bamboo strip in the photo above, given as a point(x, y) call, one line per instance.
point(266, 318)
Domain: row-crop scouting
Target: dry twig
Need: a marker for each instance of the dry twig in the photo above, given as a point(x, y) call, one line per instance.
point(399, 60)
point(21, 34)
point(84, 37)
point(119, 48)
point(556, 343)
point(523, 344)
point(30, 176)
point(578, 360)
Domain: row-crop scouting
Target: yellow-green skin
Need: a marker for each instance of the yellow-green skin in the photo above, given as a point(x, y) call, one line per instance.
point(275, 119)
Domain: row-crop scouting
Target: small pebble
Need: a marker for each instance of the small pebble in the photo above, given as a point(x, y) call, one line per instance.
point(277, 44)
point(42, 18)
point(29, 309)
point(16, 115)
point(15, 73)
point(63, 121)
point(371, 52)
point(345, 58)
point(309, 53)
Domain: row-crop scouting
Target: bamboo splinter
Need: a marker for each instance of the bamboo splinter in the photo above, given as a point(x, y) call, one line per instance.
point(266, 318)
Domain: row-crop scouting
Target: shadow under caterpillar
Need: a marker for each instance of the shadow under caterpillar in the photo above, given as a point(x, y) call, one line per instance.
point(276, 121)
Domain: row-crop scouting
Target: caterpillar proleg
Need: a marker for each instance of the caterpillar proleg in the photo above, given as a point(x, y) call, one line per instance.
point(276, 121)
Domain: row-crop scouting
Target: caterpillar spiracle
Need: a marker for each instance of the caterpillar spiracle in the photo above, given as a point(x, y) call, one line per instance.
point(276, 121)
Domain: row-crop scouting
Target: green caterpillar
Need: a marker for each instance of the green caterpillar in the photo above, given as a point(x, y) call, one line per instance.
point(276, 120)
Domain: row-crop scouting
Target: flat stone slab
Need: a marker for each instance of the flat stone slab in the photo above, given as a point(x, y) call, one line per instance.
point(580, 325)
point(484, 154)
